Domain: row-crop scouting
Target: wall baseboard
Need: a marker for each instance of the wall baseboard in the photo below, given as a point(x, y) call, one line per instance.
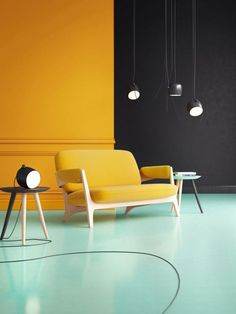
point(211, 189)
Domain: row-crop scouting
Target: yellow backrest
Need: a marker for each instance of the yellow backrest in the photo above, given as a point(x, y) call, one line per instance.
point(102, 167)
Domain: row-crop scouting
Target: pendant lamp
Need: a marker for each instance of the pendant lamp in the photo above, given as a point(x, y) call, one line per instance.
point(134, 93)
point(175, 89)
point(194, 106)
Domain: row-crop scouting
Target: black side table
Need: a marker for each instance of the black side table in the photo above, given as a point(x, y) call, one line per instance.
point(23, 192)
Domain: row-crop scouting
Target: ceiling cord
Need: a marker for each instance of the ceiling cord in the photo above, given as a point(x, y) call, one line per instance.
point(174, 40)
point(134, 41)
point(166, 43)
point(171, 38)
point(194, 46)
point(172, 35)
point(166, 57)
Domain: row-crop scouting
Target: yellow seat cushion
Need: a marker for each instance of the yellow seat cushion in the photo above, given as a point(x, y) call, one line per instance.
point(120, 194)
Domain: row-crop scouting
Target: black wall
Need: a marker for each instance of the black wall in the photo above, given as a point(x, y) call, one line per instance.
point(160, 135)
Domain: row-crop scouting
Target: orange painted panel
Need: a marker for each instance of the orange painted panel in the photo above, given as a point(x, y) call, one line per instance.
point(56, 76)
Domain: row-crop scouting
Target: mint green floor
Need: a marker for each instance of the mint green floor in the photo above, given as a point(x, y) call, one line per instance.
point(201, 246)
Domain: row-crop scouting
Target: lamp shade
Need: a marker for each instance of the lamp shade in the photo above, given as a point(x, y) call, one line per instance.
point(175, 89)
point(194, 108)
point(133, 93)
point(28, 177)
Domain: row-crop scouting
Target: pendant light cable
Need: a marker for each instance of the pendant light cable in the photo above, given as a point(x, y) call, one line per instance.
point(171, 39)
point(194, 106)
point(133, 92)
point(166, 41)
point(174, 39)
point(174, 88)
point(194, 46)
point(134, 41)
point(166, 55)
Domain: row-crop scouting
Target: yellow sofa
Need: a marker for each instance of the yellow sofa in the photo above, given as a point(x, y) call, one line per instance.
point(101, 179)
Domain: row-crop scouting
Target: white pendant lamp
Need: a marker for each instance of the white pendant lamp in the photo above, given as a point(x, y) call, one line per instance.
point(134, 93)
point(194, 106)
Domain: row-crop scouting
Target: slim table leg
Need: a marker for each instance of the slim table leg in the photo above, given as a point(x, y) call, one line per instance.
point(23, 219)
point(40, 212)
point(196, 195)
point(177, 184)
point(8, 214)
point(180, 192)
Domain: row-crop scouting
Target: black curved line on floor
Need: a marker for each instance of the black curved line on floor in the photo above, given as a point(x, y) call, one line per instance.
point(43, 242)
point(109, 252)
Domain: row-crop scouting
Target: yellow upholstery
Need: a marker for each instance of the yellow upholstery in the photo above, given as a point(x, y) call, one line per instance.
point(109, 178)
point(121, 193)
point(102, 167)
point(156, 172)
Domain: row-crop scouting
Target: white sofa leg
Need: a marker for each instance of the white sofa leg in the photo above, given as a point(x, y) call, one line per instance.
point(67, 213)
point(176, 207)
point(89, 203)
point(90, 216)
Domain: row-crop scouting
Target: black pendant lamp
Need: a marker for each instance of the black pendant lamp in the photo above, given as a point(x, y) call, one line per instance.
point(134, 93)
point(175, 89)
point(194, 106)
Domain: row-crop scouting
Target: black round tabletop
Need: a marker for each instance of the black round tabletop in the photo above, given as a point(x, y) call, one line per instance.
point(19, 189)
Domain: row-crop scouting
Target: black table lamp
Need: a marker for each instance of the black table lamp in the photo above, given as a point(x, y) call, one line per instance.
point(27, 177)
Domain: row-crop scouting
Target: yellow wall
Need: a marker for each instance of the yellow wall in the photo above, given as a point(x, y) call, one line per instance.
point(56, 84)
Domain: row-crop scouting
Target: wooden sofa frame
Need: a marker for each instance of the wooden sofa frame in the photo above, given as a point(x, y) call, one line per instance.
point(79, 176)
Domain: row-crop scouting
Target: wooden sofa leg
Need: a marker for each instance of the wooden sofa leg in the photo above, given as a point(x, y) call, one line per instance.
point(90, 216)
point(176, 207)
point(67, 215)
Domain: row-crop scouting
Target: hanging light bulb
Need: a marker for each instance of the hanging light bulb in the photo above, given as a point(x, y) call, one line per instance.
point(194, 106)
point(175, 89)
point(134, 92)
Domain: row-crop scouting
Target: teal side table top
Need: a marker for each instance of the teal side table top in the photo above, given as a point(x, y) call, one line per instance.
point(184, 177)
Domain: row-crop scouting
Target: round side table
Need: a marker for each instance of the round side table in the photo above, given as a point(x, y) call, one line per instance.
point(179, 182)
point(23, 191)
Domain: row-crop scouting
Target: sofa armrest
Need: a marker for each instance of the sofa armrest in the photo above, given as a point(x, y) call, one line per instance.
point(68, 176)
point(157, 172)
